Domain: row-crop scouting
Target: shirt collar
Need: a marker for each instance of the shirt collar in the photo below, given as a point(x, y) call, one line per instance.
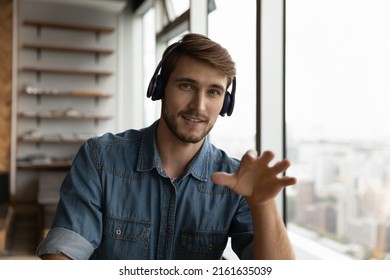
point(149, 158)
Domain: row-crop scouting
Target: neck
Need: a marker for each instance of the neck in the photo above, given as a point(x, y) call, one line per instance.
point(175, 154)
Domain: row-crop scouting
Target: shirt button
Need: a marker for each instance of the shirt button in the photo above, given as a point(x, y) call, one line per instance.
point(118, 231)
point(210, 247)
point(167, 231)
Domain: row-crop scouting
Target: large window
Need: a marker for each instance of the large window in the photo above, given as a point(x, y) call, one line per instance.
point(234, 26)
point(151, 110)
point(337, 100)
point(162, 24)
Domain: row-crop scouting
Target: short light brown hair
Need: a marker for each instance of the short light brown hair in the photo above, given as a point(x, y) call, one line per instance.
point(202, 48)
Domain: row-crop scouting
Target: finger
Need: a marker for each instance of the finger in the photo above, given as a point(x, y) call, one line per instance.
point(281, 166)
point(287, 181)
point(267, 156)
point(224, 179)
point(250, 154)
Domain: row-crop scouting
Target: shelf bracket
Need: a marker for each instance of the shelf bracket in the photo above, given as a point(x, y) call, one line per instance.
point(39, 54)
point(38, 121)
point(38, 76)
point(39, 31)
point(97, 57)
point(39, 99)
point(97, 36)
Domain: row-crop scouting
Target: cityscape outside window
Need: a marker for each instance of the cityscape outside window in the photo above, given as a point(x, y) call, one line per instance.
point(337, 99)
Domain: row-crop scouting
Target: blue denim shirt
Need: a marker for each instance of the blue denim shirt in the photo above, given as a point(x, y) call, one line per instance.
point(117, 202)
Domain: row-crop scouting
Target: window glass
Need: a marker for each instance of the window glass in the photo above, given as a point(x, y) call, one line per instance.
point(151, 109)
point(177, 7)
point(234, 27)
point(337, 99)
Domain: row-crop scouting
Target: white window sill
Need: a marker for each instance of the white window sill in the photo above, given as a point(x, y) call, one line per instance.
point(307, 249)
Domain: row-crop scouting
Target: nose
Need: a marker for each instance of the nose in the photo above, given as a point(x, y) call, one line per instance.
point(198, 101)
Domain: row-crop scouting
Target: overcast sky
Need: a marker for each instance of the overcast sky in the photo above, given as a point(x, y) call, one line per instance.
point(338, 68)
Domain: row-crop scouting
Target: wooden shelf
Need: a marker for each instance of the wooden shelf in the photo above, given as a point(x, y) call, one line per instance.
point(67, 49)
point(71, 93)
point(66, 26)
point(67, 71)
point(44, 141)
point(53, 165)
point(63, 117)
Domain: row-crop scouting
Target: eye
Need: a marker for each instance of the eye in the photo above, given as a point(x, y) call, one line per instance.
point(214, 92)
point(185, 86)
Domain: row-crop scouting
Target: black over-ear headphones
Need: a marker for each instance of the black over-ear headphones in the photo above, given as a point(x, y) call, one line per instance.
point(157, 85)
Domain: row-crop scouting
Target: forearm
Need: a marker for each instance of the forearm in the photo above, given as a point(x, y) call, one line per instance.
point(270, 239)
point(59, 256)
point(260, 182)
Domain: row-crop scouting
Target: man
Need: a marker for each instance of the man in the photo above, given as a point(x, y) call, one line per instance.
point(164, 192)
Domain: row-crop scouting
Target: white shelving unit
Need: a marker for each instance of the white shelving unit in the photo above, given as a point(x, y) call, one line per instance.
point(66, 92)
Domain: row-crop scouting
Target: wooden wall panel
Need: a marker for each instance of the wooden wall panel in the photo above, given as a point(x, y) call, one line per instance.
point(5, 83)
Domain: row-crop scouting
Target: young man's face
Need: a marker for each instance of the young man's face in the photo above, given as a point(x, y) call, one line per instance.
point(193, 98)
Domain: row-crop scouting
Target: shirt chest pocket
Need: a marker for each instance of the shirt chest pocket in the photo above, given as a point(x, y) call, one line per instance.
point(197, 245)
point(124, 238)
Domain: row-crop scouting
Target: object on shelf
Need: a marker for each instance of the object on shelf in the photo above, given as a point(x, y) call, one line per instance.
point(32, 134)
point(36, 159)
point(54, 113)
point(28, 114)
point(64, 159)
point(31, 90)
point(43, 161)
point(59, 114)
point(37, 91)
point(68, 137)
point(70, 112)
point(84, 136)
point(36, 136)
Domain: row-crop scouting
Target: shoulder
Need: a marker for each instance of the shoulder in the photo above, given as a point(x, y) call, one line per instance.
point(128, 136)
point(112, 145)
point(220, 160)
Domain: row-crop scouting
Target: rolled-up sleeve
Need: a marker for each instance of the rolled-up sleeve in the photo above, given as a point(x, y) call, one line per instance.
point(61, 240)
point(77, 227)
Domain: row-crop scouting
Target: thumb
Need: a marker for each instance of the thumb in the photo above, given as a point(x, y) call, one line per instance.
point(224, 179)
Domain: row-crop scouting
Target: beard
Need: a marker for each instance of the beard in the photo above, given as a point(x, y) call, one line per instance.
point(185, 136)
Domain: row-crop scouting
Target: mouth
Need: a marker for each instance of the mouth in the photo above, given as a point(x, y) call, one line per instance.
point(192, 119)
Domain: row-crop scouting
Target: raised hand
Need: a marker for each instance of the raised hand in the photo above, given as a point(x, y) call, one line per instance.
point(256, 179)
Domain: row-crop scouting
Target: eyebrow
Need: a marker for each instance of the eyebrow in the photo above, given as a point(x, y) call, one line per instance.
point(189, 80)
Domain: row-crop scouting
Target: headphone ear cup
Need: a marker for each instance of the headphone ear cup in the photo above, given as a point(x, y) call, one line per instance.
point(228, 103)
point(158, 90)
point(226, 108)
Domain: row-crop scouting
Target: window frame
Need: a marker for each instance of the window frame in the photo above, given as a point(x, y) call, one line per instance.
point(270, 96)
